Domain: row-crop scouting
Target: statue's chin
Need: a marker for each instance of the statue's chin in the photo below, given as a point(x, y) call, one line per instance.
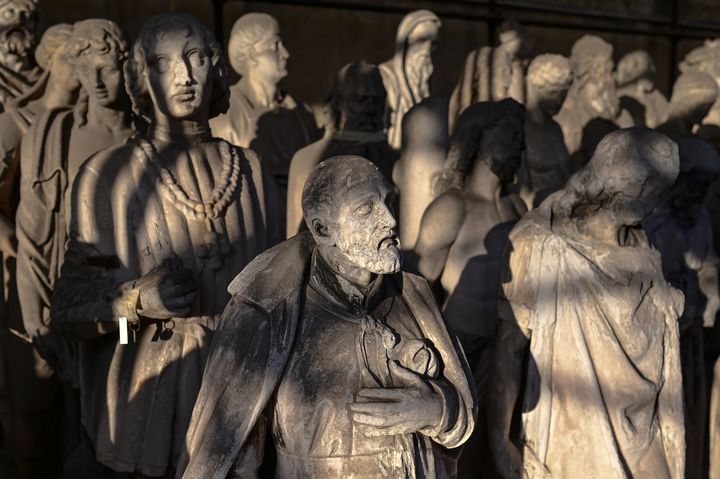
point(386, 260)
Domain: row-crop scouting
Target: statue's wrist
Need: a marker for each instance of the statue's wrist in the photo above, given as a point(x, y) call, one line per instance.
point(125, 305)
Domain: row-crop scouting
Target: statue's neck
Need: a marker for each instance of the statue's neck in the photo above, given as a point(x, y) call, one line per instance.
point(114, 119)
point(341, 266)
point(180, 131)
point(261, 91)
point(533, 111)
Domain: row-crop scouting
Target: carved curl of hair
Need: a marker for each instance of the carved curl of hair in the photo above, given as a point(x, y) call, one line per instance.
point(549, 70)
point(54, 37)
point(466, 142)
point(31, 5)
point(247, 31)
point(155, 29)
point(629, 162)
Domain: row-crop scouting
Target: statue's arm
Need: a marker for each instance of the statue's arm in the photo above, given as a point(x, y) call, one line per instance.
point(505, 385)
point(670, 402)
point(87, 302)
point(438, 230)
point(248, 462)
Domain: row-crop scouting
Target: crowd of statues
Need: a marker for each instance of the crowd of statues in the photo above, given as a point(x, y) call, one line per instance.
point(206, 280)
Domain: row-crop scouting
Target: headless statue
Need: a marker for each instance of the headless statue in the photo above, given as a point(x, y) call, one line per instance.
point(407, 74)
point(546, 164)
point(493, 73)
point(158, 227)
point(330, 353)
point(588, 347)
point(680, 229)
point(262, 116)
point(645, 104)
point(357, 106)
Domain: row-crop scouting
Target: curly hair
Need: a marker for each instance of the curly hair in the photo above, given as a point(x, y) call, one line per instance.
point(465, 145)
point(549, 69)
point(54, 37)
point(97, 37)
point(247, 31)
point(157, 28)
point(629, 162)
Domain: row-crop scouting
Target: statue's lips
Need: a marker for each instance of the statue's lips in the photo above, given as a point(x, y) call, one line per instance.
point(184, 95)
point(388, 242)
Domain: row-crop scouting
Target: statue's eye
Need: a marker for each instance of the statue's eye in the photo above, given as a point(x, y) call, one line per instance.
point(9, 13)
point(197, 58)
point(162, 64)
point(365, 209)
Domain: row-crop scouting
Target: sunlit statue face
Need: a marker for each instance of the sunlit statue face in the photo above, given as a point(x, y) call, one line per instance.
point(363, 227)
point(421, 45)
point(101, 76)
point(179, 76)
point(270, 58)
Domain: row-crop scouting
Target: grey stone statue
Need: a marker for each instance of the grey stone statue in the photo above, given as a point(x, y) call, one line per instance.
point(693, 96)
point(18, 29)
point(158, 227)
point(462, 238)
point(592, 102)
point(332, 352)
point(407, 74)
point(262, 116)
point(493, 73)
point(589, 327)
point(546, 164)
point(680, 229)
point(53, 149)
point(357, 108)
point(645, 104)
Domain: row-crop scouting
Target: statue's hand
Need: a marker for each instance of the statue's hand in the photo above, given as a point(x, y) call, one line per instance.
point(166, 292)
point(398, 410)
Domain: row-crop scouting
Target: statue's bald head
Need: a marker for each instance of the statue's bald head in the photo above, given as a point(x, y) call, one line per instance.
point(329, 182)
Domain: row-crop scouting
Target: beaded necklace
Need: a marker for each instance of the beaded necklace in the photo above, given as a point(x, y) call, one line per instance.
point(221, 195)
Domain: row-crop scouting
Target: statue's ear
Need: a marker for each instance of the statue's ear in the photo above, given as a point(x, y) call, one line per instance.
point(321, 232)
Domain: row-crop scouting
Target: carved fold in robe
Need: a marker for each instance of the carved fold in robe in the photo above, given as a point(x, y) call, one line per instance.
point(603, 392)
point(254, 346)
point(274, 134)
point(136, 399)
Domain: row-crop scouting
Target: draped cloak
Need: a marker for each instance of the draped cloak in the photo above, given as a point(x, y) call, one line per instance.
point(603, 390)
point(252, 348)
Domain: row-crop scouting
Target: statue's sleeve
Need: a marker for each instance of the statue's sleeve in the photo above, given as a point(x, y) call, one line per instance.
point(519, 277)
point(88, 300)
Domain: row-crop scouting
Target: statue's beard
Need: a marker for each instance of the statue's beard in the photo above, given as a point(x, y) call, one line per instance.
point(378, 259)
point(419, 69)
point(16, 41)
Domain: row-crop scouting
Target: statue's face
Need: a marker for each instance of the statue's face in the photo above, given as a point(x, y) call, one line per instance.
point(101, 76)
point(179, 75)
point(364, 227)
point(504, 146)
point(551, 98)
point(421, 44)
point(270, 58)
point(364, 106)
point(18, 24)
point(600, 91)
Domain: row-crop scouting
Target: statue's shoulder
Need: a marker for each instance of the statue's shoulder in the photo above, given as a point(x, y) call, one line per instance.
point(108, 164)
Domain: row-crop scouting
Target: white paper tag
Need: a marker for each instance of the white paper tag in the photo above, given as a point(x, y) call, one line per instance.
point(123, 328)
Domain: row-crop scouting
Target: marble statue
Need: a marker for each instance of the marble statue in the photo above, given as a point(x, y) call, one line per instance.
point(680, 229)
point(546, 164)
point(407, 74)
point(53, 149)
point(462, 238)
point(635, 77)
point(493, 73)
point(424, 147)
point(693, 96)
point(158, 227)
point(332, 352)
point(357, 127)
point(262, 116)
point(36, 430)
point(592, 102)
point(706, 59)
point(18, 29)
point(587, 314)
